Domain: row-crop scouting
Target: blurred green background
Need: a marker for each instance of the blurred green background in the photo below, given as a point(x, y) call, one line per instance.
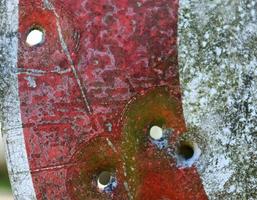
point(5, 187)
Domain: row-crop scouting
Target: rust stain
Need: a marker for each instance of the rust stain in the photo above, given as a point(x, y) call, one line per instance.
point(119, 59)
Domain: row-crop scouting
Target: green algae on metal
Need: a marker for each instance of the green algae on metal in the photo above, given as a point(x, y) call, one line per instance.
point(157, 107)
point(92, 158)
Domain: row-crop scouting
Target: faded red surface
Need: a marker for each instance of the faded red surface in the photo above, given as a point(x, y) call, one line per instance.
point(120, 49)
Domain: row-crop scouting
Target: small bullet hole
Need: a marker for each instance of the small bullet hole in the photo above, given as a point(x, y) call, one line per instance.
point(186, 151)
point(156, 133)
point(35, 37)
point(104, 179)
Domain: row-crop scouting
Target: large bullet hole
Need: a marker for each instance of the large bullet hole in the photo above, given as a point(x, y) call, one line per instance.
point(187, 154)
point(104, 180)
point(186, 151)
point(35, 37)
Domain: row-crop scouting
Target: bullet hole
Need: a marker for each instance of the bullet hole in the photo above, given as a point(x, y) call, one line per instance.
point(156, 133)
point(103, 180)
point(187, 154)
point(159, 137)
point(35, 37)
point(186, 151)
point(106, 182)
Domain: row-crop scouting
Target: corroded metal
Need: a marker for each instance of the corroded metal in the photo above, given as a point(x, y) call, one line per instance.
point(97, 58)
point(106, 62)
point(85, 98)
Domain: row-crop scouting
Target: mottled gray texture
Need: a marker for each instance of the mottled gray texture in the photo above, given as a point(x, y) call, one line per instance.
point(218, 72)
point(10, 118)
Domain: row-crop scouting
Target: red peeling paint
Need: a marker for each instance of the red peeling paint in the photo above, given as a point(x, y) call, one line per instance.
point(98, 56)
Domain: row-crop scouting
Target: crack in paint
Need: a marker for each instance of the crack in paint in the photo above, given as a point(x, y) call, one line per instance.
point(111, 145)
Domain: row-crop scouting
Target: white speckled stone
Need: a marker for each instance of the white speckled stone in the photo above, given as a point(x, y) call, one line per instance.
point(218, 73)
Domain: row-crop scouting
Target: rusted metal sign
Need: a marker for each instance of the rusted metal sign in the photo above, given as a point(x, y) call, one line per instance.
point(103, 74)
point(90, 98)
point(100, 102)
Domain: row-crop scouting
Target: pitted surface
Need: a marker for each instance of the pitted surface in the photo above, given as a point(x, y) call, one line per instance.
point(218, 63)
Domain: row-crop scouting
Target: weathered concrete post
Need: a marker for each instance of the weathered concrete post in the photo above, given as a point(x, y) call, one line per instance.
point(9, 103)
point(218, 65)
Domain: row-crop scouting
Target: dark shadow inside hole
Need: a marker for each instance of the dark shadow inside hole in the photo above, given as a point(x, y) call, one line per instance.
point(186, 151)
point(104, 178)
point(157, 122)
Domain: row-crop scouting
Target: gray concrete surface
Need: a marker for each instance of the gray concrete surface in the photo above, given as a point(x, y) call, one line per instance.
point(12, 132)
point(218, 72)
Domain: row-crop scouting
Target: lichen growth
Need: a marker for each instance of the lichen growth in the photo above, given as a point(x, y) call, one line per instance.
point(218, 65)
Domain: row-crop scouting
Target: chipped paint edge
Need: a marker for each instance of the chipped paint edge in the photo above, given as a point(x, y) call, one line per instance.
point(12, 131)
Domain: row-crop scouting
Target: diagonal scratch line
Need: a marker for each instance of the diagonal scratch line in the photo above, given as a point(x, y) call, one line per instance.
point(65, 49)
point(111, 145)
point(55, 167)
point(64, 46)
